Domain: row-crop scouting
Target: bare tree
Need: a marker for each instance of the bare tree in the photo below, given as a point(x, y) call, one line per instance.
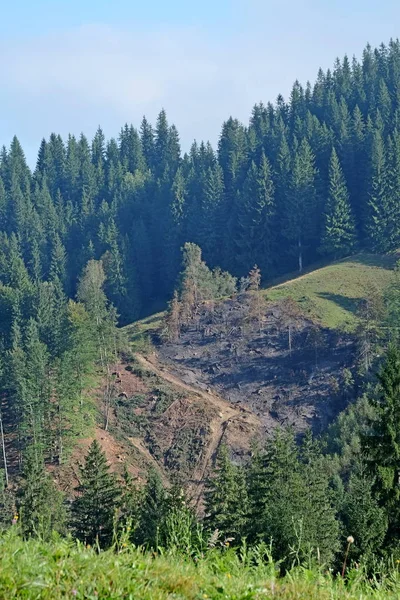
point(3, 445)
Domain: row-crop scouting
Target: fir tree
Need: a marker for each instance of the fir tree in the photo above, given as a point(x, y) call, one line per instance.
point(339, 236)
point(40, 504)
point(381, 447)
point(382, 224)
point(226, 499)
point(95, 506)
point(152, 511)
point(362, 516)
point(255, 236)
point(301, 218)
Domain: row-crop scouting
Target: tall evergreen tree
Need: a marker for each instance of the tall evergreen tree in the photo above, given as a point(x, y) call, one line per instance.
point(40, 504)
point(95, 506)
point(339, 235)
point(381, 447)
point(302, 210)
point(226, 499)
point(255, 236)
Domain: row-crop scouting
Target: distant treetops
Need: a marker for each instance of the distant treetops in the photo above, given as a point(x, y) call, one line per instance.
point(316, 175)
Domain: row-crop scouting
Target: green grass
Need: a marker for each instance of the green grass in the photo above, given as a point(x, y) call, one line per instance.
point(138, 333)
point(330, 295)
point(64, 569)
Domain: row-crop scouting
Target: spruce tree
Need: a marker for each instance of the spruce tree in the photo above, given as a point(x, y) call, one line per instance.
point(210, 226)
point(301, 214)
point(361, 515)
point(152, 511)
point(255, 235)
point(94, 508)
point(226, 502)
point(339, 235)
point(382, 223)
point(381, 447)
point(40, 505)
point(7, 503)
point(319, 518)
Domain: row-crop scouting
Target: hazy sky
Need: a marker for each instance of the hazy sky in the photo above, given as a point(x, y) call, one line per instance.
point(70, 65)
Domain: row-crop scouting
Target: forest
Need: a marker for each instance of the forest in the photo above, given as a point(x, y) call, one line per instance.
point(92, 239)
point(313, 176)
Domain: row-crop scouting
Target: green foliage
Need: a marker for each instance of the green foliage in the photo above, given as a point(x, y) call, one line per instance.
point(226, 502)
point(362, 516)
point(7, 504)
point(152, 511)
point(197, 284)
point(381, 446)
point(339, 235)
point(290, 501)
point(103, 223)
point(95, 506)
point(62, 569)
point(40, 504)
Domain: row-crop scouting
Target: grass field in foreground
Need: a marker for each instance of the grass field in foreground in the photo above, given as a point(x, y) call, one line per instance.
point(62, 569)
point(329, 295)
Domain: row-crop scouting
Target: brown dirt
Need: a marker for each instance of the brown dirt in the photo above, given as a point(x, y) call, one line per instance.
point(230, 378)
point(247, 362)
point(225, 416)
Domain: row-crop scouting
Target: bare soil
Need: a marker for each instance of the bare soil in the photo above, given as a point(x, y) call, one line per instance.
point(275, 364)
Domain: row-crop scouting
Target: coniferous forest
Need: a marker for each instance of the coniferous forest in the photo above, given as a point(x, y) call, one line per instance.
point(316, 175)
point(91, 239)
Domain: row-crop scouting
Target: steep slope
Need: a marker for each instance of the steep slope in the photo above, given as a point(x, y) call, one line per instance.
point(244, 366)
point(284, 353)
point(234, 425)
point(159, 420)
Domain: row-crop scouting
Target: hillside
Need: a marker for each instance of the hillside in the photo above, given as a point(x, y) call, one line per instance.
point(251, 363)
point(329, 295)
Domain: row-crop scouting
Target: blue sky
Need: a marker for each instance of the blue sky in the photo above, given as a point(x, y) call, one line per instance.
point(68, 66)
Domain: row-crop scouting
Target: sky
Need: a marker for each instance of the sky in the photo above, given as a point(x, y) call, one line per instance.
point(69, 66)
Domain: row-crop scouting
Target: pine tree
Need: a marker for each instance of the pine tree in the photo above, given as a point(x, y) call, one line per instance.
point(173, 319)
point(209, 229)
point(339, 236)
point(148, 144)
point(382, 224)
point(7, 504)
point(362, 516)
point(40, 504)
point(161, 144)
point(301, 218)
point(319, 520)
point(94, 509)
point(254, 279)
point(152, 511)
point(381, 448)
point(226, 501)
point(255, 236)
point(37, 403)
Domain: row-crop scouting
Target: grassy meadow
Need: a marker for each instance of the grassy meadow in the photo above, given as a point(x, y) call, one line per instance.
point(65, 569)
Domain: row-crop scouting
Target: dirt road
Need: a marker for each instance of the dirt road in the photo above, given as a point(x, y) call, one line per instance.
point(225, 415)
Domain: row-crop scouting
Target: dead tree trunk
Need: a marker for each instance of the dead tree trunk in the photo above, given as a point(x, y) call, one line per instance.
point(3, 445)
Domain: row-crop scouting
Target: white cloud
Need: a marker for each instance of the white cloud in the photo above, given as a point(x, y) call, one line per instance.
point(97, 74)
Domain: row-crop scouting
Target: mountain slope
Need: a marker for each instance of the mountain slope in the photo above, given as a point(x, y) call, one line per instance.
point(245, 366)
point(329, 295)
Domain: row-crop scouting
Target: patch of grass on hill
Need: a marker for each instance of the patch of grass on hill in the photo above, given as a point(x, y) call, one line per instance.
point(139, 333)
point(330, 295)
point(64, 569)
